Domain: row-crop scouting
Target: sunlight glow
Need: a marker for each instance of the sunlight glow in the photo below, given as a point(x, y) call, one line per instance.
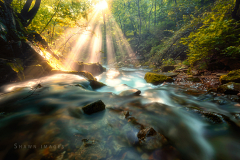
point(111, 74)
point(102, 5)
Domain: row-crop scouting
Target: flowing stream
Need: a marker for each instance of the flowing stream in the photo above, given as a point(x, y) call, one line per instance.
point(43, 119)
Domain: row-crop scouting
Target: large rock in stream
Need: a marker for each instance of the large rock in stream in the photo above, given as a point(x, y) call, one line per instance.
point(85, 74)
point(94, 68)
point(94, 107)
point(130, 92)
point(155, 78)
point(229, 88)
point(232, 76)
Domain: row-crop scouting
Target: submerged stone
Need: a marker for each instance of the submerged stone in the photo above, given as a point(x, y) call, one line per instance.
point(229, 88)
point(130, 92)
point(94, 107)
point(232, 76)
point(148, 132)
point(156, 78)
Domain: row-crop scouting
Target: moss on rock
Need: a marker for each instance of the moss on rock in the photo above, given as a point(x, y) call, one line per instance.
point(85, 74)
point(96, 84)
point(229, 88)
point(94, 107)
point(94, 68)
point(156, 78)
point(233, 76)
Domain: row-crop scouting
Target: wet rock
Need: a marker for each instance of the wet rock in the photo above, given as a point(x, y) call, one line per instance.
point(47, 68)
point(229, 88)
point(87, 142)
point(34, 71)
point(7, 74)
point(194, 73)
point(194, 79)
point(96, 84)
point(90, 150)
point(148, 132)
point(85, 74)
point(232, 76)
point(221, 74)
point(167, 68)
point(126, 114)
point(94, 107)
point(130, 92)
point(94, 68)
point(156, 78)
point(170, 74)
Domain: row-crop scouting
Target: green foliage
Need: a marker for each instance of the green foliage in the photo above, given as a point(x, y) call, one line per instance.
point(168, 62)
point(218, 35)
point(186, 63)
point(55, 16)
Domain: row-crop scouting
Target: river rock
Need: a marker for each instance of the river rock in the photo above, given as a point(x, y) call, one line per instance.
point(130, 92)
point(172, 75)
point(156, 78)
point(167, 68)
point(232, 76)
point(47, 68)
point(229, 88)
point(96, 84)
point(7, 74)
point(94, 107)
point(85, 74)
point(148, 132)
point(194, 79)
point(94, 68)
point(34, 71)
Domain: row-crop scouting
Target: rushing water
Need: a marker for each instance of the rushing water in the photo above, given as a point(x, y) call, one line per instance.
point(42, 119)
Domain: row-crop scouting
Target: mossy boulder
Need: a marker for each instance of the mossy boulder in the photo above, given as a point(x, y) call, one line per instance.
point(85, 74)
point(96, 84)
point(130, 92)
point(94, 107)
point(232, 76)
point(155, 78)
point(229, 88)
point(94, 68)
point(33, 71)
point(7, 74)
point(194, 79)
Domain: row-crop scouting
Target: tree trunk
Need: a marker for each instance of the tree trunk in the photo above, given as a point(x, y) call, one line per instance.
point(27, 15)
point(150, 18)
point(155, 21)
point(234, 13)
point(140, 20)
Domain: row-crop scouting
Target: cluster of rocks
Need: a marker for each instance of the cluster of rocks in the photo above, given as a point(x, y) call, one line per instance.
point(222, 83)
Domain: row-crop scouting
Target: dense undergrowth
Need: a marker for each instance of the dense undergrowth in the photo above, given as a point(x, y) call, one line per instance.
point(210, 36)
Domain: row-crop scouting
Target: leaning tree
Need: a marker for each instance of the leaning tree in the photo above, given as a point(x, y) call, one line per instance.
point(26, 15)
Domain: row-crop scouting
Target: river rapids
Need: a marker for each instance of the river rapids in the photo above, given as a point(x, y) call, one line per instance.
point(43, 119)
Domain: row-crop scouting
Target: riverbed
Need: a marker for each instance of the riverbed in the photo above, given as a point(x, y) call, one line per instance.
point(43, 119)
